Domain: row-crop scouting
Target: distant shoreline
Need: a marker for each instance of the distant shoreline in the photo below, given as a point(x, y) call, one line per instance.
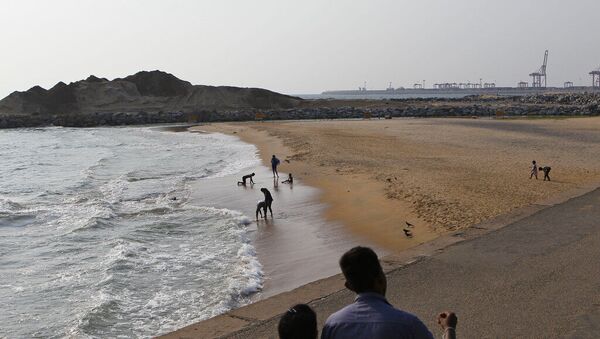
point(322, 107)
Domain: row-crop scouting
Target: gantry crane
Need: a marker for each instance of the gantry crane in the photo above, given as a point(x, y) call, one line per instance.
point(539, 74)
point(595, 77)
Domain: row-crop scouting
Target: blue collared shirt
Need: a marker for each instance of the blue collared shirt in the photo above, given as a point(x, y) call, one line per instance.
point(371, 316)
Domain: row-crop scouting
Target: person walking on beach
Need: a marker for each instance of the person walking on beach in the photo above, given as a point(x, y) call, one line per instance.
point(268, 201)
point(246, 177)
point(546, 170)
point(274, 163)
point(371, 315)
point(534, 170)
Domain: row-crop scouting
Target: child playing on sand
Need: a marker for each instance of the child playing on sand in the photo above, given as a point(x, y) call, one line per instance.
point(546, 170)
point(246, 177)
point(534, 170)
point(260, 206)
point(289, 180)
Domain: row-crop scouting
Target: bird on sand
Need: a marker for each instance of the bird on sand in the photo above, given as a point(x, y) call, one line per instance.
point(407, 233)
point(409, 224)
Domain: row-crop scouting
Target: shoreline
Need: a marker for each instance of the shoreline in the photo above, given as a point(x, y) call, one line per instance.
point(263, 315)
point(287, 263)
point(354, 200)
point(270, 308)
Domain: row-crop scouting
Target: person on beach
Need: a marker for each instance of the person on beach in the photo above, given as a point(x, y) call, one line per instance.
point(289, 180)
point(268, 201)
point(534, 170)
point(274, 163)
point(246, 177)
point(371, 315)
point(546, 170)
point(259, 207)
point(299, 322)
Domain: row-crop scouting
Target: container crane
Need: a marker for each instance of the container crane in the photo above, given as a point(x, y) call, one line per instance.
point(539, 74)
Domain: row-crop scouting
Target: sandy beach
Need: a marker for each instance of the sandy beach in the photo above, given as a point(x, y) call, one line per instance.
point(438, 174)
point(443, 175)
point(298, 245)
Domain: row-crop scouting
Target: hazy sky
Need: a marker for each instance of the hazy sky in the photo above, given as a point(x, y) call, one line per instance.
point(298, 46)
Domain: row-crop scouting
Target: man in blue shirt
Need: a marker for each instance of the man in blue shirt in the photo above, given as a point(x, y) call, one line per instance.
point(274, 164)
point(370, 316)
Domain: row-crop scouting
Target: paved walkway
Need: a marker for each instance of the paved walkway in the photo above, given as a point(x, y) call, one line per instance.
point(538, 277)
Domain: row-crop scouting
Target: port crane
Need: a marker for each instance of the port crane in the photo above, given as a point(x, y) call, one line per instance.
point(595, 78)
point(539, 74)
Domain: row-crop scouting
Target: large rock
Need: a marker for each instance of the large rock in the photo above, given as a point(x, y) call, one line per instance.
point(150, 92)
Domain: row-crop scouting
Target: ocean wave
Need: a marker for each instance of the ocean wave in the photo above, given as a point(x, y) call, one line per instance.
point(16, 220)
point(8, 206)
point(105, 237)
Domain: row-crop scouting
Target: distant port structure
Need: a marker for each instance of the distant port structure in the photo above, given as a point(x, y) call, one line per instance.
point(538, 85)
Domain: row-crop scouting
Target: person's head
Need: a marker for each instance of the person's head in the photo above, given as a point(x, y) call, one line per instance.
point(533, 162)
point(290, 175)
point(299, 322)
point(252, 174)
point(263, 190)
point(362, 271)
point(273, 156)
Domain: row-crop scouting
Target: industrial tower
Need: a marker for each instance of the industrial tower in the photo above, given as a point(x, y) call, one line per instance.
point(595, 77)
point(539, 74)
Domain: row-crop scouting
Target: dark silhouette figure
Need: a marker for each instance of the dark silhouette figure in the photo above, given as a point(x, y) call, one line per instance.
point(546, 170)
point(246, 177)
point(268, 201)
point(274, 163)
point(289, 180)
point(407, 233)
point(260, 206)
point(299, 322)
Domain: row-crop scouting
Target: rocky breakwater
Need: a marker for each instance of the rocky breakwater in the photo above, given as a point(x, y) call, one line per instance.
point(142, 98)
point(159, 97)
point(475, 106)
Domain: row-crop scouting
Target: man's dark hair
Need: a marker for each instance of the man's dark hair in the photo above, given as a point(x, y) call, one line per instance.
point(299, 322)
point(361, 268)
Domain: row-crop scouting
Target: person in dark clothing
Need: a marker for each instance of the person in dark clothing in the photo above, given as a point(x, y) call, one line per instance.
point(289, 180)
point(268, 201)
point(546, 170)
point(274, 163)
point(246, 177)
point(261, 205)
point(299, 322)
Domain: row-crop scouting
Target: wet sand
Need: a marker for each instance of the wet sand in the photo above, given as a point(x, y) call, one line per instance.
point(295, 247)
point(443, 174)
point(440, 174)
point(352, 198)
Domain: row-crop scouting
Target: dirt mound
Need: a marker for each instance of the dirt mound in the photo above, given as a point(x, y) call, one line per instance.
point(149, 92)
